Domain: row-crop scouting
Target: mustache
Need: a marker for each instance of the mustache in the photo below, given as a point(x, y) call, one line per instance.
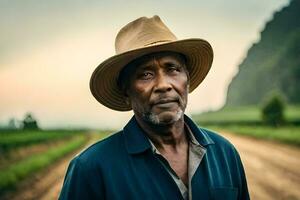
point(164, 99)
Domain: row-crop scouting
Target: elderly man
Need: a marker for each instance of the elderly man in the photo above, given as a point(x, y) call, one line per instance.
point(160, 153)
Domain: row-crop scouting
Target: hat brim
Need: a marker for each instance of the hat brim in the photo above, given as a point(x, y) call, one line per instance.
point(103, 82)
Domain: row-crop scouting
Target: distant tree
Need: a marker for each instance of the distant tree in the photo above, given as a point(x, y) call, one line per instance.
point(273, 110)
point(12, 124)
point(29, 123)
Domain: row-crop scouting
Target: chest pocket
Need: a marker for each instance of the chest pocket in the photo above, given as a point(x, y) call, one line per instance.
point(224, 193)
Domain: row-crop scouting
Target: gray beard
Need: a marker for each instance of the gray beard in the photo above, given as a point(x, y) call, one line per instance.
point(154, 119)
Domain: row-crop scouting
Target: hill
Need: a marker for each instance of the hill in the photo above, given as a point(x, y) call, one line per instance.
point(272, 64)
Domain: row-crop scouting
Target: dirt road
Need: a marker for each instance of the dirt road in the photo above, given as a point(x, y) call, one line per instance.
point(272, 170)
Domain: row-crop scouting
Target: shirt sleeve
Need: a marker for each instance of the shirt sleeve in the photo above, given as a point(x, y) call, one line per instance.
point(81, 182)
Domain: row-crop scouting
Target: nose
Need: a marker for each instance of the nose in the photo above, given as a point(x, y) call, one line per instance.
point(162, 83)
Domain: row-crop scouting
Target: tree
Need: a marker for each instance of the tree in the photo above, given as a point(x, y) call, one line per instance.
point(12, 124)
point(273, 111)
point(29, 123)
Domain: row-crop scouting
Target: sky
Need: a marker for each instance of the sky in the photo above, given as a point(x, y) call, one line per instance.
point(49, 49)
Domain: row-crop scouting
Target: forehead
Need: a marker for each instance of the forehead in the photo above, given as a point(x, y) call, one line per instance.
point(159, 56)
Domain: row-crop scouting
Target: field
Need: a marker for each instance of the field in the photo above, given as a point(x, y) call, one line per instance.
point(33, 163)
point(247, 121)
point(246, 115)
point(24, 153)
point(286, 134)
point(15, 139)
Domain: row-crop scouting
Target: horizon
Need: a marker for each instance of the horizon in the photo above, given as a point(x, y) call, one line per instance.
point(50, 49)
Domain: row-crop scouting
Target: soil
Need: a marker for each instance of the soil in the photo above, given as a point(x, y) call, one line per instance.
point(272, 170)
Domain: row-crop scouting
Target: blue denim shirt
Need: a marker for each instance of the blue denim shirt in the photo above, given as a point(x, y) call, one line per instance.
point(123, 166)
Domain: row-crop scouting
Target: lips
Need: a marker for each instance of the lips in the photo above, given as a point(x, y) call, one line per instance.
point(165, 101)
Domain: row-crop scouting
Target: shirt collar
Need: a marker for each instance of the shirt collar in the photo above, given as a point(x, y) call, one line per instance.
point(190, 135)
point(200, 135)
point(136, 140)
point(191, 139)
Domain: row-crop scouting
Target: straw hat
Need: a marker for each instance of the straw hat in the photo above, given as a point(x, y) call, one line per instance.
point(140, 37)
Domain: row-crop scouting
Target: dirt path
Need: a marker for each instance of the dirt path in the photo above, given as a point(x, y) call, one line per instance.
point(272, 170)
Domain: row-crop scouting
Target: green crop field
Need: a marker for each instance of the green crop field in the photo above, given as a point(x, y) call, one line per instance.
point(285, 134)
point(247, 121)
point(242, 115)
point(16, 139)
point(58, 144)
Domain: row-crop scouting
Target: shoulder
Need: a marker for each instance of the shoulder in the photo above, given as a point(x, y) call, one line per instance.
point(101, 151)
point(223, 157)
point(84, 176)
point(207, 138)
point(222, 151)
point(216, 137)
point(220, 143)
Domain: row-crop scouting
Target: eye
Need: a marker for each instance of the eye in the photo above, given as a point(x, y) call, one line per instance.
point(173, 68)
point(145, 75)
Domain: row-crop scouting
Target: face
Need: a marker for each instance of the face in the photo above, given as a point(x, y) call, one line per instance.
point(158, 88)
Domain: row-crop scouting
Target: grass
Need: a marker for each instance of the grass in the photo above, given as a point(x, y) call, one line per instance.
point(242, 115)
point(11, 175)
point(229, 114)
point(16, 139)
point(246, 120)
point(285, 134)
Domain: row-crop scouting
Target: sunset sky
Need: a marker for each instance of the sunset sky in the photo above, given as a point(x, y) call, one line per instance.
point(48, 50)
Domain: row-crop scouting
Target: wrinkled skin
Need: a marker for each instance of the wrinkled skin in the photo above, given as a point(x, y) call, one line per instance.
point(158, 89)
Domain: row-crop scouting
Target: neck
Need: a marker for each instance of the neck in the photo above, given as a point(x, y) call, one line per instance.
point(170, 136)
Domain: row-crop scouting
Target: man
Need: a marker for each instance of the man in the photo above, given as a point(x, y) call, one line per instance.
point(160, 153)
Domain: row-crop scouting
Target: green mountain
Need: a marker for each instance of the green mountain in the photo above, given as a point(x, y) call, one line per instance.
point(272, 64)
